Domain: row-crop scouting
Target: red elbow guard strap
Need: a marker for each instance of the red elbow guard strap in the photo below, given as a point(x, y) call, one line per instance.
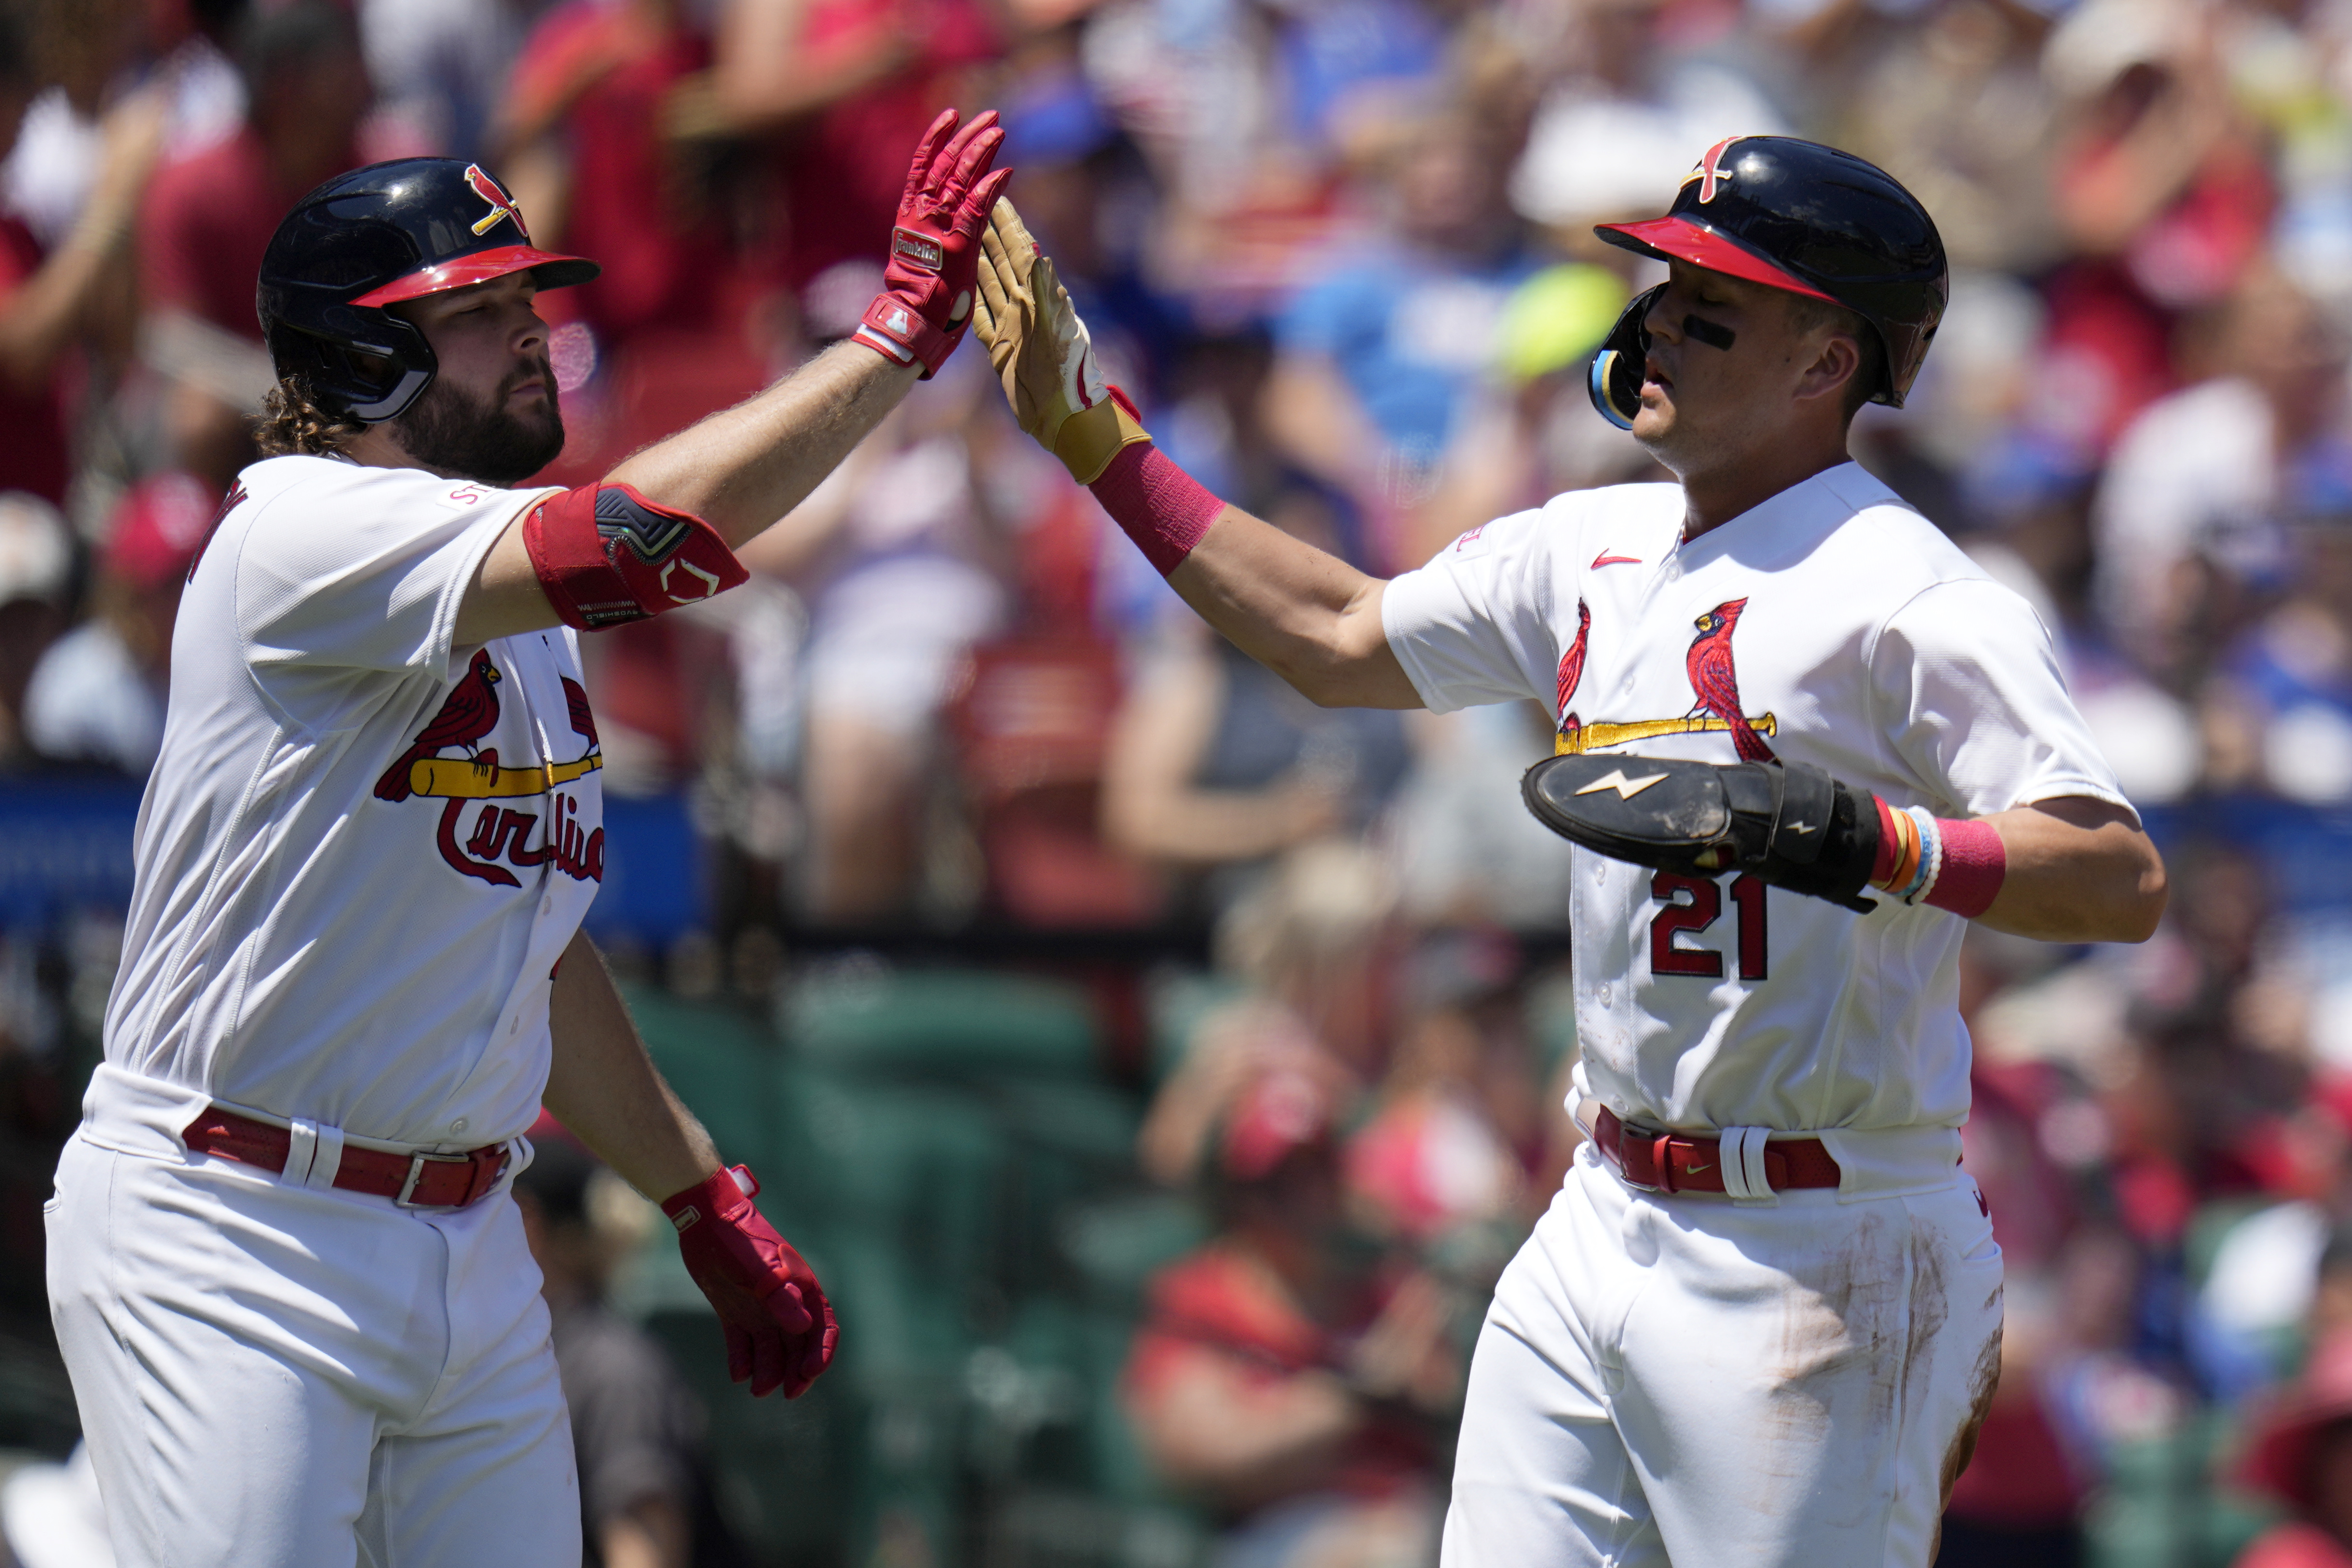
point(606, 555)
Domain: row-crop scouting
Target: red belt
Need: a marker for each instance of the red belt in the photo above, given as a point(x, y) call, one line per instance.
point(412, 1181)
point(1669, 1162)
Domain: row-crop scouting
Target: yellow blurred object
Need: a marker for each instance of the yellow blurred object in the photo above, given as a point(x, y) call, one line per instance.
point(1557, 317)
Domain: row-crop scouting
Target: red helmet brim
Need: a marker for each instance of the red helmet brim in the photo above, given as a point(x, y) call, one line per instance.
point(481, 266)
point(1675, 238)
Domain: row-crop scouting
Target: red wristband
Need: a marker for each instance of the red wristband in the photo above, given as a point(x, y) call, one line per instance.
point(1975, 861)
point(1163, 508)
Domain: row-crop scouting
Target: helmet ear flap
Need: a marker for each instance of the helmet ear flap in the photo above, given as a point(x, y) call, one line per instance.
point(373, 370)
point(1614, 380)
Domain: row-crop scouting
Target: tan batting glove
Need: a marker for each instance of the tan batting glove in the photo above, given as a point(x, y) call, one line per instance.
point(1043, 354)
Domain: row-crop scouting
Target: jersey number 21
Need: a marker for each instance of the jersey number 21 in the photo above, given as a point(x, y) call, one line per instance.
point(1693, 904)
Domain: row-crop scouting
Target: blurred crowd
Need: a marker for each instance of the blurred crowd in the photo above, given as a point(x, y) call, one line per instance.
point(1340, 253)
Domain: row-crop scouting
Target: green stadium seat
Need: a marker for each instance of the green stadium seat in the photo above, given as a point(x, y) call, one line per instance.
point(947, 1023)
point(1116, 1245)
point(718, 1060)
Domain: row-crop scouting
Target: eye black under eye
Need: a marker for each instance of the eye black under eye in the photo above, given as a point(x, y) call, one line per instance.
point(1709, 332)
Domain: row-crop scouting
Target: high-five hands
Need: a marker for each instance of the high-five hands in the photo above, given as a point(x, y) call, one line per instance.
point(1043, 355)
point(927, 300)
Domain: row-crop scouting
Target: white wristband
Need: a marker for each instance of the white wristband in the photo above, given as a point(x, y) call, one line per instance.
point(1931, 855)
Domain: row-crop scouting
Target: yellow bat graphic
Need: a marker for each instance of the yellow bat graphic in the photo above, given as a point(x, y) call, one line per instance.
point(462, 778)
point(1592, 737)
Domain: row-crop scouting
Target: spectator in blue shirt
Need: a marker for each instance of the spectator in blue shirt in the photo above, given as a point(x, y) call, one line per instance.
point(1376, 362)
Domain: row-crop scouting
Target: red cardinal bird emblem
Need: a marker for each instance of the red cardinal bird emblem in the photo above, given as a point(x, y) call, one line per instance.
point(1572, 667)
point(1711, 171)
point(1715, 679)
point(469, 712)
point(501, 204)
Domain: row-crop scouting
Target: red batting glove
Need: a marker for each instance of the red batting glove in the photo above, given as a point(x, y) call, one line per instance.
point(780, 1328)
point(935, 250)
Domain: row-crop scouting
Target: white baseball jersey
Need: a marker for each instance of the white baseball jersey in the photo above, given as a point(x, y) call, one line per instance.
point(363, 849)
point(1833, 625)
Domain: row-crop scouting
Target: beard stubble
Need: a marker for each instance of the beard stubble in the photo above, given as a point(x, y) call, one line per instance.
point(451, 430)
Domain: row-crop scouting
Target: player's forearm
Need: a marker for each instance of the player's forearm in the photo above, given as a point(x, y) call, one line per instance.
point(1170, 821)
point(745, 466)
point(1215, 1429)
point(2078, 871)
point(1317, 422)
point(652, 1534)
point(603, 1087)
point(1311, 618)
point(39, 320)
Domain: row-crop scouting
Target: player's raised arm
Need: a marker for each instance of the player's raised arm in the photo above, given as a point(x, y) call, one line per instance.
point(694, 498)
point(1311, 618)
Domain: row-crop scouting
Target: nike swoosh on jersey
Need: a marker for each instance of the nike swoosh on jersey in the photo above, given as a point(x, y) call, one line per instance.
point(1605, 559)
point(1626, 788)
point(1694, 1170)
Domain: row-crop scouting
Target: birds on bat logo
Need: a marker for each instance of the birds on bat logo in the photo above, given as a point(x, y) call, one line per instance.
point(1714, 709)
point(501, 836)
point(502, 205)
point(469, 713)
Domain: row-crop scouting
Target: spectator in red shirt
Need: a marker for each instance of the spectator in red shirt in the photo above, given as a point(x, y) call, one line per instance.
point(2161, 193)
point(849, 85)
point(2303, 1454)
point(46, 302)
point(208, 217)
point(98, 694)
point(590, 131)
point(1292, 1395)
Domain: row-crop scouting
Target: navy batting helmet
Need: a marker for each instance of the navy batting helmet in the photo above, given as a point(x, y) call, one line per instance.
point(1796, 216)
point(372, 238)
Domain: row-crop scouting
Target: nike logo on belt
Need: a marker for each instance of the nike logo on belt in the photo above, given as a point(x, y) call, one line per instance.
point(1605, 559)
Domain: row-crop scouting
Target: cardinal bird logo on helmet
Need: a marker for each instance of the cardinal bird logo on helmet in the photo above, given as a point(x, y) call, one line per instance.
point(502, 205)
point(1710, 173)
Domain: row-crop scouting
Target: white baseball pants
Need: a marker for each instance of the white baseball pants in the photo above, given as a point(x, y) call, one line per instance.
point(277, 1376)
point(1686, 1380)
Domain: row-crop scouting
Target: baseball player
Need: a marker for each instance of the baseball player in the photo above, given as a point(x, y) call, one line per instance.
point(293, 1294)
point(1760, 1321)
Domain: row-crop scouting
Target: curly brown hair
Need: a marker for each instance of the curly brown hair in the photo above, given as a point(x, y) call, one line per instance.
point(292, 424)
